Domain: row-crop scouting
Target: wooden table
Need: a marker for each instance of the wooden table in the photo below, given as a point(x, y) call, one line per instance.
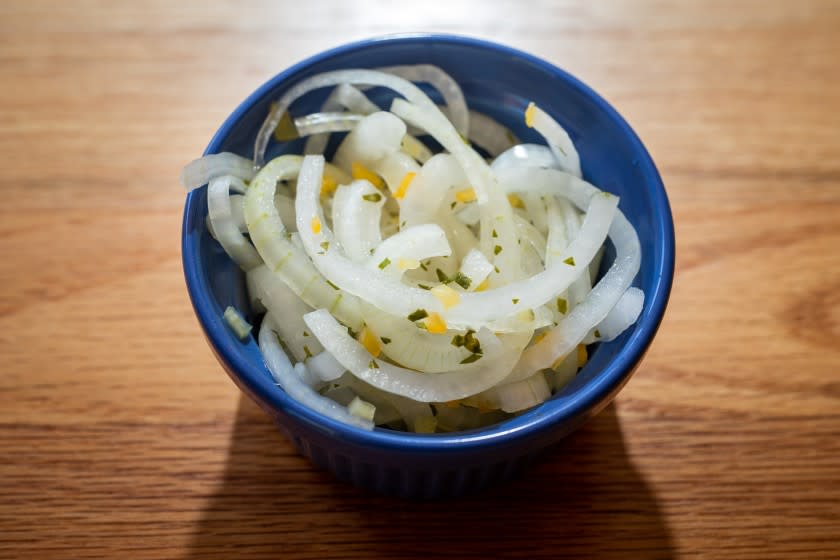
point(121, 437)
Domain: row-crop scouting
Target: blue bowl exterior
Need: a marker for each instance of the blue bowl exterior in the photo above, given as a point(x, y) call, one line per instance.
point(499, 81)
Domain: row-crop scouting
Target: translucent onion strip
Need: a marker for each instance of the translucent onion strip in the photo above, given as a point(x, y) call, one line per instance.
point(326, 79)
point(441, 387)
point(474, 309)
point(224, 226)
point(279, 253)
point(199, 172)
point(284, 374)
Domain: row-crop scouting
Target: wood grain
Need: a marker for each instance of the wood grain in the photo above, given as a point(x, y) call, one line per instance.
point(121, 436)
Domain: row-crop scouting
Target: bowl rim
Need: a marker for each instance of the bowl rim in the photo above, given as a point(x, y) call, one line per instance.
point(537, 421)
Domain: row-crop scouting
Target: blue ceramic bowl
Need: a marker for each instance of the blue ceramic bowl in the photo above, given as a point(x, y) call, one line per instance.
point(499, 81)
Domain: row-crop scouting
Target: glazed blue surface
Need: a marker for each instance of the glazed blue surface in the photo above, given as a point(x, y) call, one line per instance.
point(499, 81)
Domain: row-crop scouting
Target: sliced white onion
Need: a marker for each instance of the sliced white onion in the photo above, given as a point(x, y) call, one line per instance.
point(356, 214)
point(284, 374)
point(565, 337)
point(404, 250)
point(224, 227)
point(625, 313)
point(279, 253)
point(474, 309)
point(326, 79)
point(557, 137)
point(376, 136)
point(199, 172)
point(456, 106)
point(476, 267)
point(324, 366)
point(481, 375)
point(280, 300)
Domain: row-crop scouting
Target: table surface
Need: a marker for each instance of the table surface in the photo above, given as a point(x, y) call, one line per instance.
point(121, 435)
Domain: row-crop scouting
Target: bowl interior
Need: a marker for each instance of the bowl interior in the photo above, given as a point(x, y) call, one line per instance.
point(499, 82)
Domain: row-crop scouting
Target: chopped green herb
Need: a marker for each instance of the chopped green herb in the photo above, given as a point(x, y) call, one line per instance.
point(333, 286)
point(374, 197)
point(496, 268)
point(494, 234)
point(463, 280)
point(468, 341)
point(325, 245)
point(423, 266)
point(305, 333)
point(384, 264)
point(424, 287)
point(597, 333)
point(570, 261)
point(373, 365)
point(562, 305)
point(417, 315)
point(307, 351)
point(452, 206)
point(442, 277)
point(497, 249)
point(421, 326)
point(515, 301)
point(385, 340)
point(471, 358)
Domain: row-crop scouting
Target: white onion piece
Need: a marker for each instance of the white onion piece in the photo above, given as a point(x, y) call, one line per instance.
point(286, 209)
point(440, 387)
point(475, 309)
point(620, 317)
point(279, 253)
point(412, 347)
point(547, 182)
point(284, 374)
point(428, 189)
point(394, 167)
point(416, 149)
point(558, 139)
point(488, 133)
point(571, 221)
point(225, 229)
point(281, 301)
point(565, 337)
point(324, 366)
point(318, 123)
point(525, 155)
point(496, 213)
point(476, 267)
point(199, 172)
point(409, 247)
point(326, 79)
point(376, 136)
point(453, 97)
point(521, 395)
point(356, 219)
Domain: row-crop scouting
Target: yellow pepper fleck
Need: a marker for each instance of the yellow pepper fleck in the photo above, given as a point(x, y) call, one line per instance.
point(315, 224)
point(483, 286)
point(408, 264)
point(466, 195)
point(515, 201)
point(582, 355)
point(446, 295)
point(359, 171)
point(404, 184)
point(370, 341)
point(435, 324)
point(328, 186)
point(529, 114)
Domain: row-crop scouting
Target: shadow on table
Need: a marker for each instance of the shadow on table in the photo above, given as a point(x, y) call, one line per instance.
point(583, 499)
